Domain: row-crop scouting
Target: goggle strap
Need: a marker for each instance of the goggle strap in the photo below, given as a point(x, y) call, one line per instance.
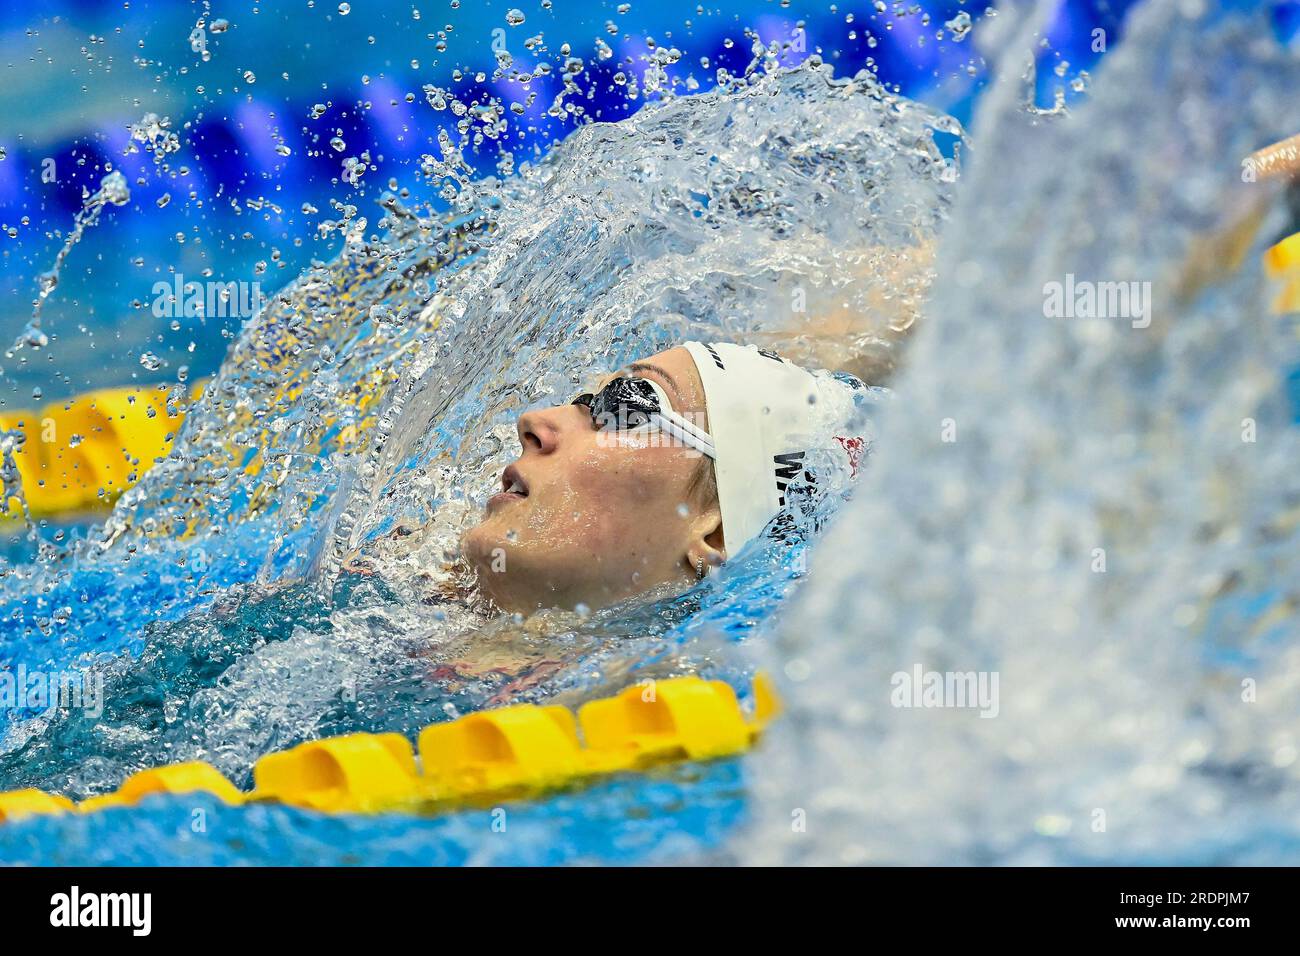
point(686, 425)
point(678, 427)
point(666, 412)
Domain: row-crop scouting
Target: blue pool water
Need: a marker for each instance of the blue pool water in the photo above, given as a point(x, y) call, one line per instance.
point(254, 590)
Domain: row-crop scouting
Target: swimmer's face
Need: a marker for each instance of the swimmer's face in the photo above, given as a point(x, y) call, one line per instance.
point(591, 517)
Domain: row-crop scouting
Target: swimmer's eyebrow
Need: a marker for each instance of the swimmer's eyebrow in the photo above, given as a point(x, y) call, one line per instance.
point(647, 367)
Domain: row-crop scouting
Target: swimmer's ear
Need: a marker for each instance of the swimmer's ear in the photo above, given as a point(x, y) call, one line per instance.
point(706, 547)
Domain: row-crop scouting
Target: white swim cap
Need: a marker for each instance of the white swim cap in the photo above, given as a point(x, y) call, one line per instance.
point(783, 436)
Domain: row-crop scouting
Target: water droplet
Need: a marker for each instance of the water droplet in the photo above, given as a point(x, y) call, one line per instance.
point(959, 26)
point(33, 338)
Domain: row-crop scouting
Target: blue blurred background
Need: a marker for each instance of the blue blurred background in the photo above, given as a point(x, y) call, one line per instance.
point(255, 173)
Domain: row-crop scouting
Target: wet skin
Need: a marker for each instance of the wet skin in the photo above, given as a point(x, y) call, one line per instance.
point(586, 517)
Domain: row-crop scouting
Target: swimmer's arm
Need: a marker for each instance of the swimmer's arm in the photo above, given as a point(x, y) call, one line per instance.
point(858, 323)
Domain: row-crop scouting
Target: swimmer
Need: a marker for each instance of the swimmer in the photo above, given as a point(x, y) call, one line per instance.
point(659, 473)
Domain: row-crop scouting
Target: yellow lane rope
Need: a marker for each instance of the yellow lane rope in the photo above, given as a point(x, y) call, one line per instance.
point(507, 753)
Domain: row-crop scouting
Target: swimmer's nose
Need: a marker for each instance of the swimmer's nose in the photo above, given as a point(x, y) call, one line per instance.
point(540, 429)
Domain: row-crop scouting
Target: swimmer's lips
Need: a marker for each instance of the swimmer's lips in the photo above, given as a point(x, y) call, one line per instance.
point(513, 488)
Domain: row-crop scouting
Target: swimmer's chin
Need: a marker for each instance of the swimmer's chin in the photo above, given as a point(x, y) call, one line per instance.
point(484, 548)
point(478, 545)
point(505, 580)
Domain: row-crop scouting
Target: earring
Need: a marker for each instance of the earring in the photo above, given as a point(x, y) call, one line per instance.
point(699, 569)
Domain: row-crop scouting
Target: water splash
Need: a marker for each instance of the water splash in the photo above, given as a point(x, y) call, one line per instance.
point(1102, 533)
point(320, 485)
point(112, 191)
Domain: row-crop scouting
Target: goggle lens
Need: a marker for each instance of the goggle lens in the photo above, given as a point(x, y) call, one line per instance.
point(623, 404)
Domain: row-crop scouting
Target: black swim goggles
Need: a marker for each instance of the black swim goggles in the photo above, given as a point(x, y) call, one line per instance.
point(628, 404)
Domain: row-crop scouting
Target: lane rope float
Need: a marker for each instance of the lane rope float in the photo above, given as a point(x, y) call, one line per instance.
point(513, 752)
point(80, 454)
